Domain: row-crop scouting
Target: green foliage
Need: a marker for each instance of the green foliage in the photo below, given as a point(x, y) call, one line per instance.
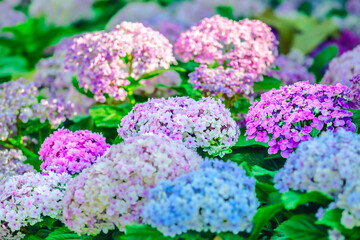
point(267, 84)
point(322, 60)
point(107, 115)
point(64, 233)
point(293, 199)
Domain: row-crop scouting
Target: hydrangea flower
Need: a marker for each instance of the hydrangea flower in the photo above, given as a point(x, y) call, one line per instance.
point(12, 163)
point(293, 68)
point(243, 50)
point(55, 82)
point(343, 68)
point(9, 17)
point(295, 113)
point(335, 234)
point(26, 199)
point(103, 61)
point(217, 198)
point(62, 13)
point(18, 101)
point(230, 43)
point(203, 124)
point(353, 6)
point(113, 191)
point(325, 163)
point(349, 200)
point(71, 152)
point(354, 92)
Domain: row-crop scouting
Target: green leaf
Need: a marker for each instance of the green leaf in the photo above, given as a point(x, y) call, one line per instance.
point(34, 126)
point(302, 227)
point(322, 60)
point(35, 162)
point(242, 142)
point(228, 236)
point(259, 171)
point(225, 11)
point(267, 84)
point(12, 65)
point(107, 115)
point(160, 71)
point(292, 199)
point(143, 232)
point(264, 191)
point(64, 233)
point(118, 140)
point(356, 119)
point(262, 217)
point(87, 93)
point(47, 222)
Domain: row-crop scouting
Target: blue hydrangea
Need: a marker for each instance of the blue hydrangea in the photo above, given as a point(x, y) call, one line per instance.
point(324, 164)
point(217, 198)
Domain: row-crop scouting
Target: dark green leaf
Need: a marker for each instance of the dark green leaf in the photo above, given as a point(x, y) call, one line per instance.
point(225, 11)
point(356, 119)
point(292, 199)
point(261, 218)
point(267, 84)
point(35, 162)
point(264, 191)
point(228, 236)
point(75, 83)
point(302, 227)
point(107, 115)
point(322, 60)
point(118, 140)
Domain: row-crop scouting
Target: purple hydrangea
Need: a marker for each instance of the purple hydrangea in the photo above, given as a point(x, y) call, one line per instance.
point(27, 199)
point(354, 92)
point(71, 152)
point(217, 198)
point(286, 117)
point(12, 163)
point(203, 124)
point(104, 61)
point(113, 191)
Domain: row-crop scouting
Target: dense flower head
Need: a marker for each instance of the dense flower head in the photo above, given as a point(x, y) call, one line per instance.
point(292, 68)
point(248, 46)
point(113, 191)
point(296, 113)
point(343, 68)
point(217, 198)
point(354, 92)
point(12, 163)
point(26, 199)
point(325, 163)
point(353, 6)
point(18, 101)
point(55, 82)
point(349, 201)
point(71, 152)
point(62, 13)
point(203, 124)
point(220, 81)
point(103, 61)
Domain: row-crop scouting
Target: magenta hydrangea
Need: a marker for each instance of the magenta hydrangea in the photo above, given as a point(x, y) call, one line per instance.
point(71, 152)
point(205, 124)
point(27, 199)
point(103, 61)
point(295, 113)
point(113, 191)
point(248, 47)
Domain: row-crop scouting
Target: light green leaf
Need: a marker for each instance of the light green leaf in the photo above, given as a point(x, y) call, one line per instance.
point(292, 199)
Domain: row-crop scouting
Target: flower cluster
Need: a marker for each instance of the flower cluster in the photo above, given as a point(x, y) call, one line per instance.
point(247, 47)
point(113, 191)
point(296, 113)
point(205, 123)
point(18, 101)
point(55, 82)
point(12, 163)
point(354, 92)
point(9, 17)
point(324, 163)
point(293, 68)
point(220, 81)
point(343, 68)
point(62, 13)
point(217, 198)
point(104, 61)
point(26, 199)
point(353, 6)
point(71, 152)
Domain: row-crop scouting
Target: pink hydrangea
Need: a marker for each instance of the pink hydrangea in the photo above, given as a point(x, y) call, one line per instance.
point(104, 61)
point(203, 124)
point(71, 152)
point(296, 113)
point(113, 191)
point(27, 199)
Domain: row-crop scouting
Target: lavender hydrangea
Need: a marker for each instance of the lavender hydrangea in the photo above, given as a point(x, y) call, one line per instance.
point(18, 101)
point(217, 198)
point(203, 124)
point(349, 200)
point(26, 199)
point(292, 114)
point(113, 191)
point(353, 6)
point(12, 163)
point(104, 61)
point(325, 163)
point(9, 16)
point(293, 68)
point(62, 13)
point(354, 92)
point(343, 68)
point(71, 152)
